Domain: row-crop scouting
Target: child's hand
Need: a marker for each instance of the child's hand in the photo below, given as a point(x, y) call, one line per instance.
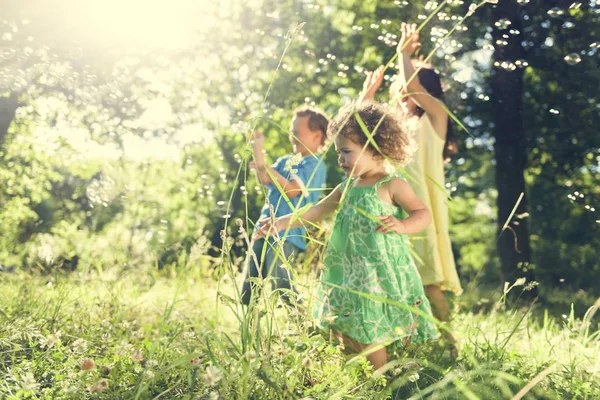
point(409, 40)
point(373, 83)
point(390, 223)
point(257, 140)
point(269, 227)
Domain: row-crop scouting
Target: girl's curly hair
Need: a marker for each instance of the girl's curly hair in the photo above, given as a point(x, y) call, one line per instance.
point(394, 140)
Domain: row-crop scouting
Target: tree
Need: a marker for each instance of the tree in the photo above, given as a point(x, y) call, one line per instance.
point(510, 151)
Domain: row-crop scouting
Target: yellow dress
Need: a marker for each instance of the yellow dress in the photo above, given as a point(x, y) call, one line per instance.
point(434, 260)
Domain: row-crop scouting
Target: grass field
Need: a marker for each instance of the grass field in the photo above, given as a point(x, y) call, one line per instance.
point(180, 335)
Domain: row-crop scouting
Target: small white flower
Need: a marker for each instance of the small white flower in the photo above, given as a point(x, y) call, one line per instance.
point(51, 340)
point(291, 162)
point(472, 9)
point(149, 374)
point(189, 335)
point(79, 346)
point(520, 282)
point(124, 349)
point(212, 375)
point(152, 363)
point(67, 387)
point(28, 382)
point(414, 377)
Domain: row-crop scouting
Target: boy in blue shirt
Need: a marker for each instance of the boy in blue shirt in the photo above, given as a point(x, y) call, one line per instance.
point(302, 177)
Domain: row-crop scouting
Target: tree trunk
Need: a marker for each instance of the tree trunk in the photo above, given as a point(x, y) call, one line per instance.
point(510, 152)
point(8, 109)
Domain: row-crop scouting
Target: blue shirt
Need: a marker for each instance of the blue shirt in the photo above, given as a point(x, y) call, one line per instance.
point(310, 173)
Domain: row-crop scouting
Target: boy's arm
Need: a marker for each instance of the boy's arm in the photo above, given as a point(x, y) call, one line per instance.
point(291, 188)
point(307, 177)
point(267, 174)
point(310, 177)
point(257, 141)
point(261, 173)
point(404, 196)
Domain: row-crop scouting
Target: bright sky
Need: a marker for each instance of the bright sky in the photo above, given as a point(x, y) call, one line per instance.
point(159, 26)
point(156, 24)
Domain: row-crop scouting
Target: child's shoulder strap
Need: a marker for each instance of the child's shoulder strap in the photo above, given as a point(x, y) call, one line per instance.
point(383, 180)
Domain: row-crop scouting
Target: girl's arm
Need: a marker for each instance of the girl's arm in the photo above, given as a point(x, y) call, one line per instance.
point(322, 209)
point(432, 106)
point(403, 195)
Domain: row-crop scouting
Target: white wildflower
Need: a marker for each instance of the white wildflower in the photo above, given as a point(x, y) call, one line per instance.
point(79, 346)
point(51, 340)
point(212, 375)
point(414, 377)
point(520, 282)
point(28, 382)
point(472, 9)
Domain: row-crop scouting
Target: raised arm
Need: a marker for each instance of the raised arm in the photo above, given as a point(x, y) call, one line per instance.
point(409, 42)
point(257, 141)
point(372, 84)
point(267, 174)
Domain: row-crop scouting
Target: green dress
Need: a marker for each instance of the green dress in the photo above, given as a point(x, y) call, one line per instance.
point(370, 277)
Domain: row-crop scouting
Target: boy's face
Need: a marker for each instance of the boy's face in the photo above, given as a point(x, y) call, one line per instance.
point(302, 138)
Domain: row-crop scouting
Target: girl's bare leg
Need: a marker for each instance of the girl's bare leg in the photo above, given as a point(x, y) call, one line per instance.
point(438, 301)
point(440, 309)
point(377, 358)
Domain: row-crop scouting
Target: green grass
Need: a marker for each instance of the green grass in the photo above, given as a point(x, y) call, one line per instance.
point(181, 336)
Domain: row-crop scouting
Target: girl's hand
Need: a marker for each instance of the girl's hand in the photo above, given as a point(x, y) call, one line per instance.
point(390, 223)
point(372, 83)
point(409, 40)
point(269, 227)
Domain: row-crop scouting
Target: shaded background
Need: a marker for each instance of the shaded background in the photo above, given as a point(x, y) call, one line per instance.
point(122, 126)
